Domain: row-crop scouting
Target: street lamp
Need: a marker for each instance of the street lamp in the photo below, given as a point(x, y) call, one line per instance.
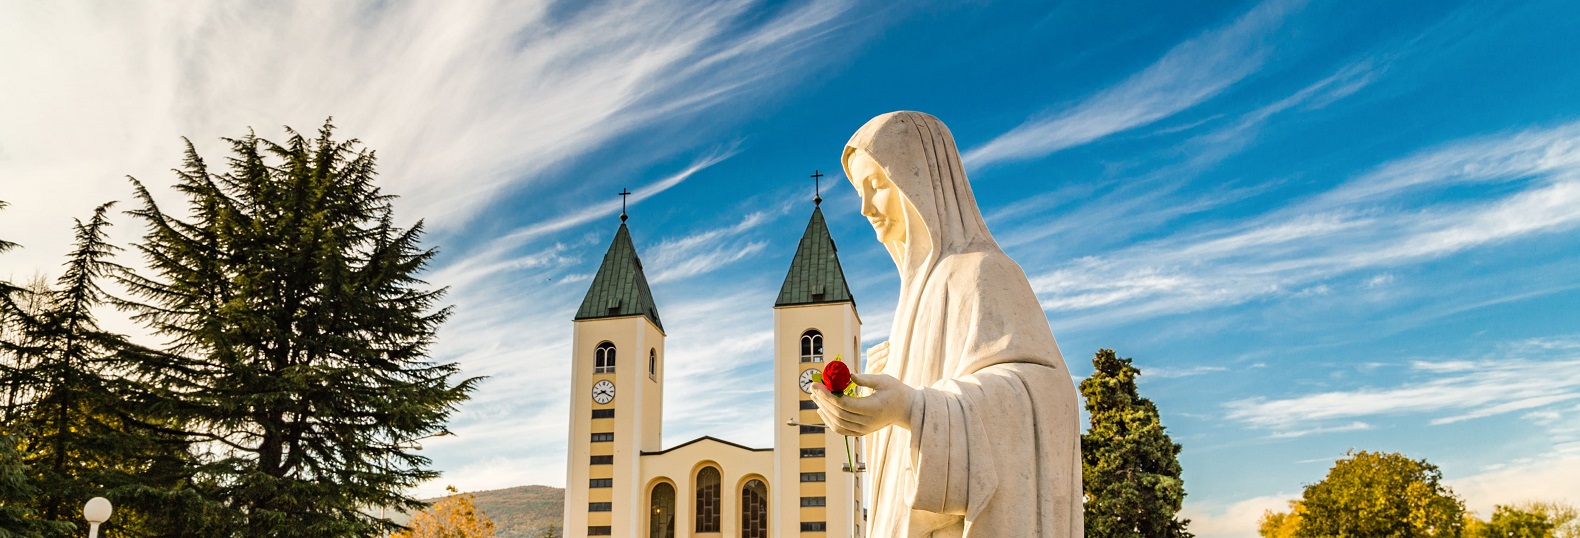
point(793, 422)
point(96, 511)
point(860, 467)
point(415, 446)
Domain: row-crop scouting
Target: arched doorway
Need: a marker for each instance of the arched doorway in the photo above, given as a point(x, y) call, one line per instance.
point(754, 509)
point(662, 511)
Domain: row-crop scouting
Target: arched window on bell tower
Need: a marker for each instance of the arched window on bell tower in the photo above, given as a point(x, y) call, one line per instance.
point(812, 346)
point(603, 359)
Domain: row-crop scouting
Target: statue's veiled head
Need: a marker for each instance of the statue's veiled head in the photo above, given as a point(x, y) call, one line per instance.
point(881, 201)
point(914, 191)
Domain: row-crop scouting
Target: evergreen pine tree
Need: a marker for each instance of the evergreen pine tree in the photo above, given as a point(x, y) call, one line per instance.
point(1129, 468)
point(298, 334)
point(17, 496)
point(82, 436)
point(15, 303)
point(5, 287)
point(75, 444)
point(9, 383)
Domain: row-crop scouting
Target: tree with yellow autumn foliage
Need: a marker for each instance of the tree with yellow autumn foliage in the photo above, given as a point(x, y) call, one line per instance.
point(455, 516)
point(1282, 524)
point(1372, 494)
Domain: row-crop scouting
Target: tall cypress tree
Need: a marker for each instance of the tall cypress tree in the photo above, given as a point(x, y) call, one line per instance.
point(6, 288)
point(82, 434)
point(9, 389)
point(17, 493)
point(75, 445)
point(298, 334)
point(1129, 466)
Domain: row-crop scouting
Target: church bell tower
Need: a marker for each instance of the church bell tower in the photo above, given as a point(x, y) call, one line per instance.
point(814, 321)
point(617, 395)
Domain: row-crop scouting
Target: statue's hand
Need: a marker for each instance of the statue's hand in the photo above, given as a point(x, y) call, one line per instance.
point(889, 403)
point(877, 356)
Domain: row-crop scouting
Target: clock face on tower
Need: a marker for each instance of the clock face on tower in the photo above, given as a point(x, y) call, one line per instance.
point(806, 380)
point(603, 391)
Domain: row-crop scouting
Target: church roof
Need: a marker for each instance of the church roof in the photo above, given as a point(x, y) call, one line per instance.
point(706, 438)
point(815, 275)
point(619, 289)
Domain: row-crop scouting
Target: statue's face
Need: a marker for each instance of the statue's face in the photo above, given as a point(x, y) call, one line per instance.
point(880, 200)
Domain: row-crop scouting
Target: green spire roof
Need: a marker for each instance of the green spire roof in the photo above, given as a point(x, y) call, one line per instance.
point(815, 276)
point(619, 289)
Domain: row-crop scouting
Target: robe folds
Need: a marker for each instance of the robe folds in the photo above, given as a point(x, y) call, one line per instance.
point(993, 448)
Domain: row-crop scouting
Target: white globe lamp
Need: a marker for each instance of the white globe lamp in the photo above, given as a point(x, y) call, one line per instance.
point(96, 511)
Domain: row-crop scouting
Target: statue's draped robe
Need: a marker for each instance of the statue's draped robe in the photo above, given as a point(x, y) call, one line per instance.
point(994, 448)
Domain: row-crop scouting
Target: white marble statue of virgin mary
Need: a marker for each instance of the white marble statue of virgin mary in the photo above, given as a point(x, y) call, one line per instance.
point(972, 421)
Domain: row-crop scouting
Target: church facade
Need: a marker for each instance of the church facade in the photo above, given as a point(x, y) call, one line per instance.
point(621, 481)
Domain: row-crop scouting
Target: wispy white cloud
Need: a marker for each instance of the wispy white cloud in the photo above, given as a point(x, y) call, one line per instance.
point(607, 207)
point(1188, 74)
point(1167, 372)
point(726, 384)
point(1214, 146)
point(1140, 204)
point(466, 103)
point(1353, 426)
point(1380, 280)
point(706, 251)
point(1302, 246)
point(1520, 379)
point(1444, 367)
point(1490, 159)
point(1548, 477)
point(1342, 83)
point(497, 254)
point(1098, 290)
point(470, 106)
point(1134, 206)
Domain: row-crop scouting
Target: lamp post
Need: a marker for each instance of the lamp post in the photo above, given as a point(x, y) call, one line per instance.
point(415, 446)
point(860, 467)
point(96, 511)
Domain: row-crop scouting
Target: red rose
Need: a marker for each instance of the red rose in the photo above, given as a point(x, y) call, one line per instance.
point(836, 376)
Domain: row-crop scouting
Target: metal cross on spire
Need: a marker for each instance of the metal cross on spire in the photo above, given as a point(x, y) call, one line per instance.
point(623, 193)
point(817, 182)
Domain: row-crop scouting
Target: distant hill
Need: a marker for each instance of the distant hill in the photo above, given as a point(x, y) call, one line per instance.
point(523, 511)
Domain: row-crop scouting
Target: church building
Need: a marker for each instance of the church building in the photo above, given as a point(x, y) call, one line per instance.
point(622, 481)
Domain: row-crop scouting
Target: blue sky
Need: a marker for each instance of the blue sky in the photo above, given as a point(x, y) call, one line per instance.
point(1315, 226)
